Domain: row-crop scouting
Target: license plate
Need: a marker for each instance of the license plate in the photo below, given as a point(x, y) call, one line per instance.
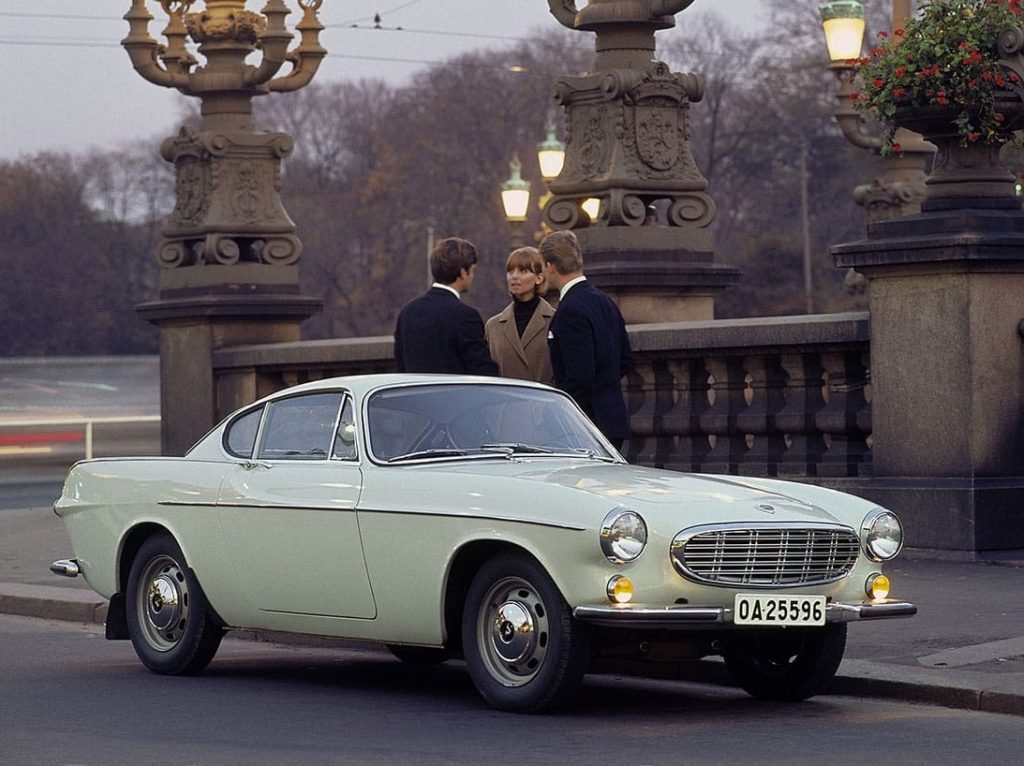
point(757, 609)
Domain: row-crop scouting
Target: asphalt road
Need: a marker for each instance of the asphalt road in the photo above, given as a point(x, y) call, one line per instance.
point(67, 696)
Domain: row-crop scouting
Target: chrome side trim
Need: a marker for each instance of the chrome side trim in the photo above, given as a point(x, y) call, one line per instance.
point(65, 567)
point(696, 617)
point(434, 514)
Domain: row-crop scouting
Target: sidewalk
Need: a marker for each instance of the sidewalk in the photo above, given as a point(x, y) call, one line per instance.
point(964, 649)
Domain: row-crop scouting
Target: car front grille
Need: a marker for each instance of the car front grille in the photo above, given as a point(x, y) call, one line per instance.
point(765, 556)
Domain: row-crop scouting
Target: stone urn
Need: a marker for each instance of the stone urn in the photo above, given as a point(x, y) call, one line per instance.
point(964, 169)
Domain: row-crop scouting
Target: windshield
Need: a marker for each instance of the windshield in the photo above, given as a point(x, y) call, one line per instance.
point(452, 420)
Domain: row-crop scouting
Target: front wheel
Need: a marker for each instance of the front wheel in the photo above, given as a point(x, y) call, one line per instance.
point(170, 623)
point(524, 650)
point(787, 664)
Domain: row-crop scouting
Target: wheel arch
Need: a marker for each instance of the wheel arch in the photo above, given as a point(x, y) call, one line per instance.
point(117, 617)
point(464, 565)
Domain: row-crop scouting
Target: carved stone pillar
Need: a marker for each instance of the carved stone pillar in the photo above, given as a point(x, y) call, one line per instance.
point(627, 149)
point(228, 252)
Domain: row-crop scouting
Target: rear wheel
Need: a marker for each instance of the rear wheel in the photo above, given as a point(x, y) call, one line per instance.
point(170, 622)
point(788, 664)
point(524, 650)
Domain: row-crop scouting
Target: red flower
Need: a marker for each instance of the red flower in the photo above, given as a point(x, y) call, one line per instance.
point(897, 147)
point(1000, 81)
point(964, 45)
point(986, 76)
point(940, 97)
point(856, 96)
point(882, 34)
point(878, 82)
point(973, 136)
point(899, 92)
point(1014, 78)
point(900, 71)
point(900, 32)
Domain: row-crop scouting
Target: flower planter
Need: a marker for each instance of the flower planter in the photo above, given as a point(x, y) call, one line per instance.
point(962, 169)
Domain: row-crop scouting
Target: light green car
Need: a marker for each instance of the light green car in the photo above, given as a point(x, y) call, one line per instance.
point(481, 517)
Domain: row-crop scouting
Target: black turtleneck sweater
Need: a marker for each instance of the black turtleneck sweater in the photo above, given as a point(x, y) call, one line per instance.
point(524, 312)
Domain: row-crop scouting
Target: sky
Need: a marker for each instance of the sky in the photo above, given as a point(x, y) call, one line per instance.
point(66, 85)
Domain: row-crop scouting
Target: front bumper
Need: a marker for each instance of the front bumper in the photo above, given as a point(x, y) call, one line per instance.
point(696, 617)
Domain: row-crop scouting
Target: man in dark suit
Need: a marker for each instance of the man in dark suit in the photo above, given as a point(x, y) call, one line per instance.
point(436, 332)
point(589, 347)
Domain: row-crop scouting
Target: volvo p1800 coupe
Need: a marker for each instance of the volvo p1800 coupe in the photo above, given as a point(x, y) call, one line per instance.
point(485, 518)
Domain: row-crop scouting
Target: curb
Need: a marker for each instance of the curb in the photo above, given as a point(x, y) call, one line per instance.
point(856, 678)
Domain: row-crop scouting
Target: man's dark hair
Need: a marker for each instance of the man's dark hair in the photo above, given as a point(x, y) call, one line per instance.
point(449, 257)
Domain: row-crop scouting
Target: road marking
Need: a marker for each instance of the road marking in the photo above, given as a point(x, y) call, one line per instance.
point(975, 654)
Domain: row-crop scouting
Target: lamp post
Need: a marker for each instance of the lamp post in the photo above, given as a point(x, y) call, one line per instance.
point(228, 252)
point(899, 189)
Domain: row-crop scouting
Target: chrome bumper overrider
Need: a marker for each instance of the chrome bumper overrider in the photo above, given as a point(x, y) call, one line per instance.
point(65, 568)
point(695, 617)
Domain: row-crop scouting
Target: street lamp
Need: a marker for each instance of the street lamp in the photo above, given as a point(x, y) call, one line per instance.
point(899, 189)
point(550, 154)
point(515, 192)
point(515, 199)
point(844, 29)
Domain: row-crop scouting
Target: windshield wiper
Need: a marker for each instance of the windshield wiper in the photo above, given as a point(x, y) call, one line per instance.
point(446, 452)
point(511, 448)
point(591, 455)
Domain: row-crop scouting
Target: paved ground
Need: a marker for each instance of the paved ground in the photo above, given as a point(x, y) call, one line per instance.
point(964, 649)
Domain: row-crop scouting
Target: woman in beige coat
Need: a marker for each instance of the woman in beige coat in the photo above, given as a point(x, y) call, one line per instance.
point(518, 336)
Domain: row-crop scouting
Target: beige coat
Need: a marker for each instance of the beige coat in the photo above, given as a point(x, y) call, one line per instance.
point(526, 358)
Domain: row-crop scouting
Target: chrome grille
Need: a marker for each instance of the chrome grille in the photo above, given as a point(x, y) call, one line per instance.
point(765, 556)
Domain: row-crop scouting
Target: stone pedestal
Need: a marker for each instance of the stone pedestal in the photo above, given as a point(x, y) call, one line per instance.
point(655, 285)
point(202, 309)
point(947, 300)
point(627, 133)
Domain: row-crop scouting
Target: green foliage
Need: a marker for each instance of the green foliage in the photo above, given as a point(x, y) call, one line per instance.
point(948, 56)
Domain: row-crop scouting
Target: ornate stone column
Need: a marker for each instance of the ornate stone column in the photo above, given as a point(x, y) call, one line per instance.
point(627, 136)
point(229, 252)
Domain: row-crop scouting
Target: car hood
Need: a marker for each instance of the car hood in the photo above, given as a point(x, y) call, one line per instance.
point(578, 489)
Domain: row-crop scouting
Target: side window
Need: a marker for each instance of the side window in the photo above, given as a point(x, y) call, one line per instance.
point(345, 438)
point(240, 439)
point(300, 427)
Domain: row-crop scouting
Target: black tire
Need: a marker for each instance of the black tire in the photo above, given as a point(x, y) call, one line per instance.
point(524, 650)
point(786, 665)
point(419, 655)
point(170, 623)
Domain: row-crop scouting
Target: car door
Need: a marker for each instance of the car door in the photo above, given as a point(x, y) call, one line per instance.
point(288, 508)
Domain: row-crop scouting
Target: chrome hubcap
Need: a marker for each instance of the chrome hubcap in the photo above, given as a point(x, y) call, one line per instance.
point(512, 631)
point(162, 603)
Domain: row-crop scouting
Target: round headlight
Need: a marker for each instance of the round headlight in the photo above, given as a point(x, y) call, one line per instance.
point(623, 536)
point(883, 535)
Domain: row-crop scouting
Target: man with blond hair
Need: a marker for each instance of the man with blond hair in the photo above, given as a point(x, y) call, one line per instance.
point(589, 346)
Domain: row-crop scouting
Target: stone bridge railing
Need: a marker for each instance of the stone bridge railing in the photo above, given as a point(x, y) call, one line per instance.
point(780, 396)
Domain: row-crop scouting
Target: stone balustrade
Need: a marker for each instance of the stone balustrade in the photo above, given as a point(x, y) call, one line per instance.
point(778, 396)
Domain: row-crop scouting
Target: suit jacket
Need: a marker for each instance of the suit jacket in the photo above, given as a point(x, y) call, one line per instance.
point(590, 352)
point(437, 332)
point(526, 358)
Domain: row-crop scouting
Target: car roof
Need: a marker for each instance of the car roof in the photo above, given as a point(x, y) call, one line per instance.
point(361, 385)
